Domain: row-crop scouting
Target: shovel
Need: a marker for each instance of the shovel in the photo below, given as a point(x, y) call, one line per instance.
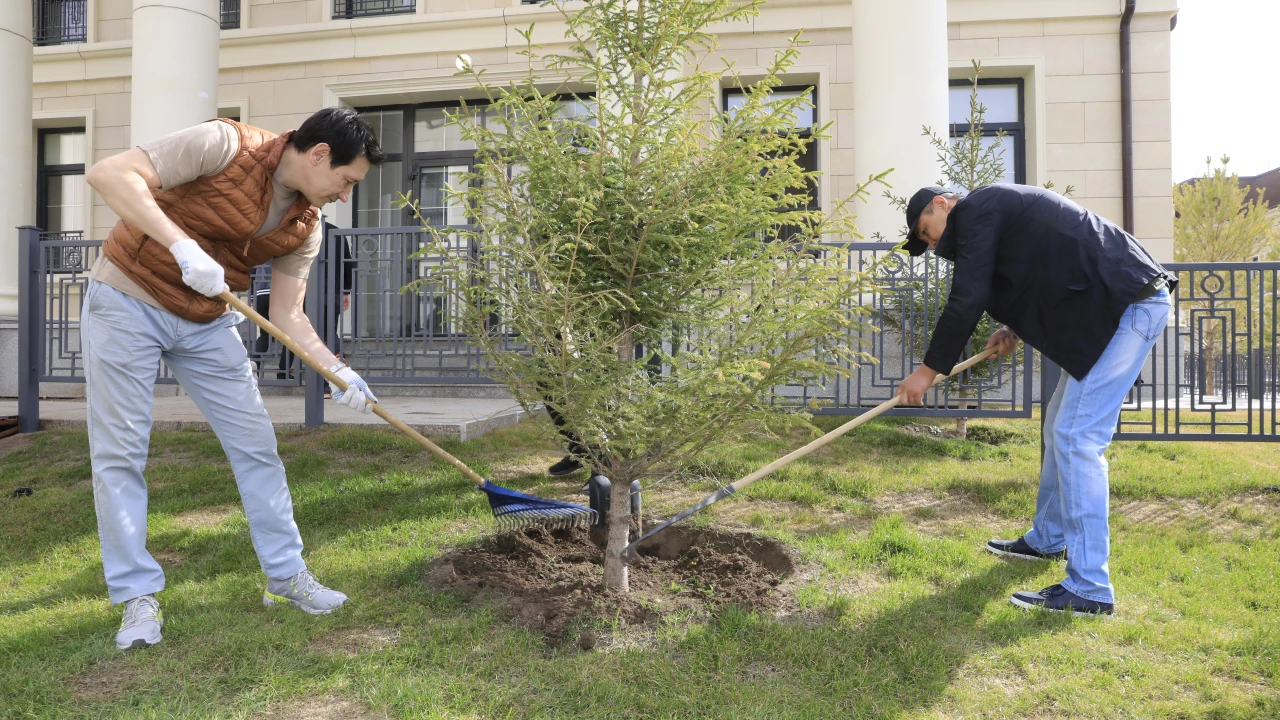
point(629, 553)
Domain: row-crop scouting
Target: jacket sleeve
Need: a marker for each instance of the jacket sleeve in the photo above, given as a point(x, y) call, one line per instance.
point(977, 231)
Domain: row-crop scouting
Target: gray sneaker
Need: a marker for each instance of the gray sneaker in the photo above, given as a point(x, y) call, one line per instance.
point(141, 625)
point(304, 591)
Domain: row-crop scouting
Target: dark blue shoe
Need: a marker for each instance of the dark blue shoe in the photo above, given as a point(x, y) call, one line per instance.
point(567, 466)
point(1056, 598)
point(1021, 550)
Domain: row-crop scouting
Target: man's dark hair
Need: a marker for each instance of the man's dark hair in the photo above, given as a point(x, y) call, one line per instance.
point(345, 131)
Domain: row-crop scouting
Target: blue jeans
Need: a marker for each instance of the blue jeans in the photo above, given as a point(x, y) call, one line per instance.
point(124, 341)
point(1071, 508)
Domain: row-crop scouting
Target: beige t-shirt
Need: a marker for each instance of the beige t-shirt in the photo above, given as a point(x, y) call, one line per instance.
point(201, 151)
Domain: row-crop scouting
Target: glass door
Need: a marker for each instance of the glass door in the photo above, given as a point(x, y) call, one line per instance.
point(436, 181)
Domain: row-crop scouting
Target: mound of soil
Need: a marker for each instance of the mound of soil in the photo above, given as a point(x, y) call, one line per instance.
point(550, 580)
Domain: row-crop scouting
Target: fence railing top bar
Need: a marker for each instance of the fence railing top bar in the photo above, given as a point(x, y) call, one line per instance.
point(49, 242)
point(860, 245)
point(402, 230)
point(1217, 267)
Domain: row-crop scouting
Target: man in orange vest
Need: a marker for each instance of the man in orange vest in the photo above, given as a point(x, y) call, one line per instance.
point(198, 210)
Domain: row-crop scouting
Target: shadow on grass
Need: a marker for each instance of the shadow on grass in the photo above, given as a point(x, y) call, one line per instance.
point(325, 510)
point(872, 665)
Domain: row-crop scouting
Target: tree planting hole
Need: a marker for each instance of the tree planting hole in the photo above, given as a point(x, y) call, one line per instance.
point(553, 580)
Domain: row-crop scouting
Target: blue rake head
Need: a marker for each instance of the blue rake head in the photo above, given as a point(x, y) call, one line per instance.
point(516, 510)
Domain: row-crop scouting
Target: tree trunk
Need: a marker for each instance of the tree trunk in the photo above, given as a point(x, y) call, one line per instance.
point(615, 570)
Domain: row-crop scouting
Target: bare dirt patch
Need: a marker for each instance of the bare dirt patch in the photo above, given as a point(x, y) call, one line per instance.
point(550, 580)
point(328, 707)
point(528, 465)
point(14, 443)
point(104, 680)
point(205, 517)
point(167, 558)
point(356, 641)
point(1242, 512)
point(935, 513)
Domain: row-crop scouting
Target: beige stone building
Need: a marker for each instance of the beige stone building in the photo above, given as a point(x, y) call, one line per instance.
point(89, 78)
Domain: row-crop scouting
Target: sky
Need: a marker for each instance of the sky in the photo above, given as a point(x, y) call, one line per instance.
point(1224, 96)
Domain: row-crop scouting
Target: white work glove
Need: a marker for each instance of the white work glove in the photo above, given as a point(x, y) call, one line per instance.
point(199, 271)
point(357, 396)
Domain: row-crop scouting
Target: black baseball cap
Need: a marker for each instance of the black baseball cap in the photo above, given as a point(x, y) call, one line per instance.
point(917, 204)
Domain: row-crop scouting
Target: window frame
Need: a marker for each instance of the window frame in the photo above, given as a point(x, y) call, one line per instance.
point(67, 34)
point(411, 161)
point(44, 172)
point(356, 9)
point(815, 194)
point(1016, 131)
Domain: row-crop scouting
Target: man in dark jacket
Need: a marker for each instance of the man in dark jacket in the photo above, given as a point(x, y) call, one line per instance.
point(1090, 298)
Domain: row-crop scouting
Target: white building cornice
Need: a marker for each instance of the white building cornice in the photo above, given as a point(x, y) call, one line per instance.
point(497, 28)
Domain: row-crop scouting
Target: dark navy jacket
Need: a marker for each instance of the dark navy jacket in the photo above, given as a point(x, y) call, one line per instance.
point(1057, 274)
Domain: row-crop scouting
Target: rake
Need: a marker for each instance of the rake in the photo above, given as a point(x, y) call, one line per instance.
point(512, 509)
point(629, 552)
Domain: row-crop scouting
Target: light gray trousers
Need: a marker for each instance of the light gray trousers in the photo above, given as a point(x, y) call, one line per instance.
point(124, 340)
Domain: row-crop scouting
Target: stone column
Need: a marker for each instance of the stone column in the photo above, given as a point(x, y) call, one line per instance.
point(899, 86)
point(17, 184)
point(175, 66)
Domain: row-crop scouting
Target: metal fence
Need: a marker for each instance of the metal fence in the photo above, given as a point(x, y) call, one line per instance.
point(53, 280)
point(230, 14)
point(911, 294)
point(1213, 374)
point(58, 22)
point(389, 336)
point(371, 8)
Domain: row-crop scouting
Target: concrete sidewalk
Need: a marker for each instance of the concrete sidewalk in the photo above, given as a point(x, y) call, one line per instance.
point(454, 418)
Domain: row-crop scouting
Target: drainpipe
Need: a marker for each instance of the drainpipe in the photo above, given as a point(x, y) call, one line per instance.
point(1126, 113)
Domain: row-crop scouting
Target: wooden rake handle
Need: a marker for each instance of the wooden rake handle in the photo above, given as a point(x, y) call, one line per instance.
point(339, 383)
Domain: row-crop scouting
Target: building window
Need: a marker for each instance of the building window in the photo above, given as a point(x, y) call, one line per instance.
point(805, 119)
point(346, 9)
point(60, 185)
point(1003, 100)
point(425, 157)
point(230, 14)
point(58, 22)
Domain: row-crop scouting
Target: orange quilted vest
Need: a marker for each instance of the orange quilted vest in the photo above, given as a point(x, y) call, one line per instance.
point(220, 212)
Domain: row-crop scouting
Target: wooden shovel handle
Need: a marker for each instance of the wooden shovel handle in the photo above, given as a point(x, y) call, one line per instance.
point(339, 383)
point(877, 410)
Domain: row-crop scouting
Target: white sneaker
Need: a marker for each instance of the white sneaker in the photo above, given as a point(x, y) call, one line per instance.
point(141, 625)
point(304, 591)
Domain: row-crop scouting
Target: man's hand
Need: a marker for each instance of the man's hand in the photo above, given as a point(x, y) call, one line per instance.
point(912, 390)
point(199, 271)
point(1004, 339)
point(357, 396)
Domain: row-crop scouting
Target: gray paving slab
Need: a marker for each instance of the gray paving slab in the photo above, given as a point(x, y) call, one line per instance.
point(454, 418)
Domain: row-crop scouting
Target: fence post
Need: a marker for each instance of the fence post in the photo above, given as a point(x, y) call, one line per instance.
point(317, 304)
point(30, 330)
point(1257, 376)
point(1050, 374)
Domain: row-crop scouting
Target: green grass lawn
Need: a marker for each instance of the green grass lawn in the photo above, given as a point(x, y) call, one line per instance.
point(900, 614)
